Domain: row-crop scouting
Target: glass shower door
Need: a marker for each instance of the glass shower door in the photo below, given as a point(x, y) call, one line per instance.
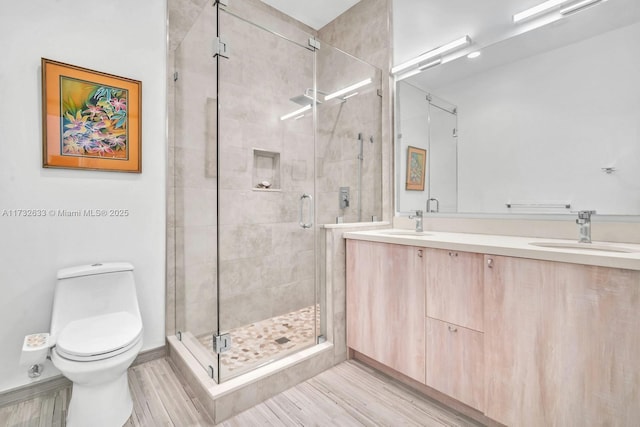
point(266, 183)
point(443, 158)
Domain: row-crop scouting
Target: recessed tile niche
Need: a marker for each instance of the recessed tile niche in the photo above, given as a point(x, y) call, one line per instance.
point(266, 168)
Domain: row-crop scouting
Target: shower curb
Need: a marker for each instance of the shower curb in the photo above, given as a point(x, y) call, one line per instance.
point(222, 401)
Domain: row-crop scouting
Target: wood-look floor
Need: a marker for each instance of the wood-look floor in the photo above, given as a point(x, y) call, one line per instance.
point(350, 394)
point(159, 399)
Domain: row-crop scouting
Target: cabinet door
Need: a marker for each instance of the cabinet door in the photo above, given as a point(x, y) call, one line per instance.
point(455, 362)
point(455, 287)
point(562, 344)
point(385, 305)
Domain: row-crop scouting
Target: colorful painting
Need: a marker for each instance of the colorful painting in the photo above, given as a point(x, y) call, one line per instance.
point(416, 168)
point(91, 120)
point(94, 119)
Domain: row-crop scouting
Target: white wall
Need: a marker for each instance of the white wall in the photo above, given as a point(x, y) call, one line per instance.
point(119, 37)
point(540, 129)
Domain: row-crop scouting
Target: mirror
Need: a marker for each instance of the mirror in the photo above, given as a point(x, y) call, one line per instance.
point(544, 122)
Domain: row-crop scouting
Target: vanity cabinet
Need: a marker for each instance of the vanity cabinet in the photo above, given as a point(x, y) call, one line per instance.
point(562, 343)
point(454, 324)
point(385, 305)
point(525, 342)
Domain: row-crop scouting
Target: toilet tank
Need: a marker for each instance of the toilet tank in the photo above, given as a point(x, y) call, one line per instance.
point(92, 290)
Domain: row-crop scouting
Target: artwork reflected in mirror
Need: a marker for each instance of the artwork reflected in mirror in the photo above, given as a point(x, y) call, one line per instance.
point(416, 164)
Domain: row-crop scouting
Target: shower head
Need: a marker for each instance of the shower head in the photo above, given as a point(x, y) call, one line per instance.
point(306, 98)
point(303, 100)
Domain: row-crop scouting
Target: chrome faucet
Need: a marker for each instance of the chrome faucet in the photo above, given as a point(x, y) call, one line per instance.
point(418, 218)
point(584, 221)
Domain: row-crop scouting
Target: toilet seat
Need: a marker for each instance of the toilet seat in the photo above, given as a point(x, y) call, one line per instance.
point(99, 337)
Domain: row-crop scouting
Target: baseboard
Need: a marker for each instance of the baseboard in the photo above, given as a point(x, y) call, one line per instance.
point(29, 391)
point(35, 389)
point(149, 355)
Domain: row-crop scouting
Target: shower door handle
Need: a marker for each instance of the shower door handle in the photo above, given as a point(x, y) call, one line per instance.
point(302, 223)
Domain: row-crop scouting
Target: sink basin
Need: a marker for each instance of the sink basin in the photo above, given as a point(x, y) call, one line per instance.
point(403, 233)
point(583, 246)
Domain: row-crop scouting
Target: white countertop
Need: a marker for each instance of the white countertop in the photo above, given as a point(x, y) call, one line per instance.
point(520, 247)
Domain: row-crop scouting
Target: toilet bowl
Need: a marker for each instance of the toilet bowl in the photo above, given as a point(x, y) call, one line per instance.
point(96, 329)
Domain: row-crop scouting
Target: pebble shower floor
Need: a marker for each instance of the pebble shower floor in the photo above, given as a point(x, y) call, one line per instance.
point(261, 342)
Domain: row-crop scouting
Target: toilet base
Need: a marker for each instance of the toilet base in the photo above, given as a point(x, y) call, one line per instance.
point(104, 405)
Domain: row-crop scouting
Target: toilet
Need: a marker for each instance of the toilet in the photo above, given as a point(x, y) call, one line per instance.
point(96, 333)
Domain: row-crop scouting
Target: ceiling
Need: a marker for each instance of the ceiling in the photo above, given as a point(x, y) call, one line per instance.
point(314, 13)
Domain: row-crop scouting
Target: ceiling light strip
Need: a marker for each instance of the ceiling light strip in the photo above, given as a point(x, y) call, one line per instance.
point(577, 7)
point(430, 64)
point(348, 89)
point(408, 74)
point(537, 10)
point(456, 44)
point(296, 113)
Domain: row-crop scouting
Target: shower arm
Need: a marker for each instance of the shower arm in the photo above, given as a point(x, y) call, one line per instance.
point(309, 91)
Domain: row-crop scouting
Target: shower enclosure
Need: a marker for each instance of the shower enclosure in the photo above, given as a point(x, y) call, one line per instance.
point(266, 132)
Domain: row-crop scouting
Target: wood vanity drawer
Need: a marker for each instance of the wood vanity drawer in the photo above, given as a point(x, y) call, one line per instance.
point(454, 287)
point(455, 362)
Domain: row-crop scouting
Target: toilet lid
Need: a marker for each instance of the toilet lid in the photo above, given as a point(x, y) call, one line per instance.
point(96, 335)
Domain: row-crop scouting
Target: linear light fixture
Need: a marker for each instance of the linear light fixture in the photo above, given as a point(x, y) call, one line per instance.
point(536, 10)
point(456, 44)
point(351, 95)
point(430, 64)
point(347, 89)
point(408, 74)
point(296, 113)
point(577, 7)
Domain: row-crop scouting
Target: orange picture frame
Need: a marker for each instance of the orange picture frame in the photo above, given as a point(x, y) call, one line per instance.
point(416, 168)
point(90, 120)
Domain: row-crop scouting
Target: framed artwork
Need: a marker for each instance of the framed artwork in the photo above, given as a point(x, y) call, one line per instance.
point(416, 164)
point(90, 120)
